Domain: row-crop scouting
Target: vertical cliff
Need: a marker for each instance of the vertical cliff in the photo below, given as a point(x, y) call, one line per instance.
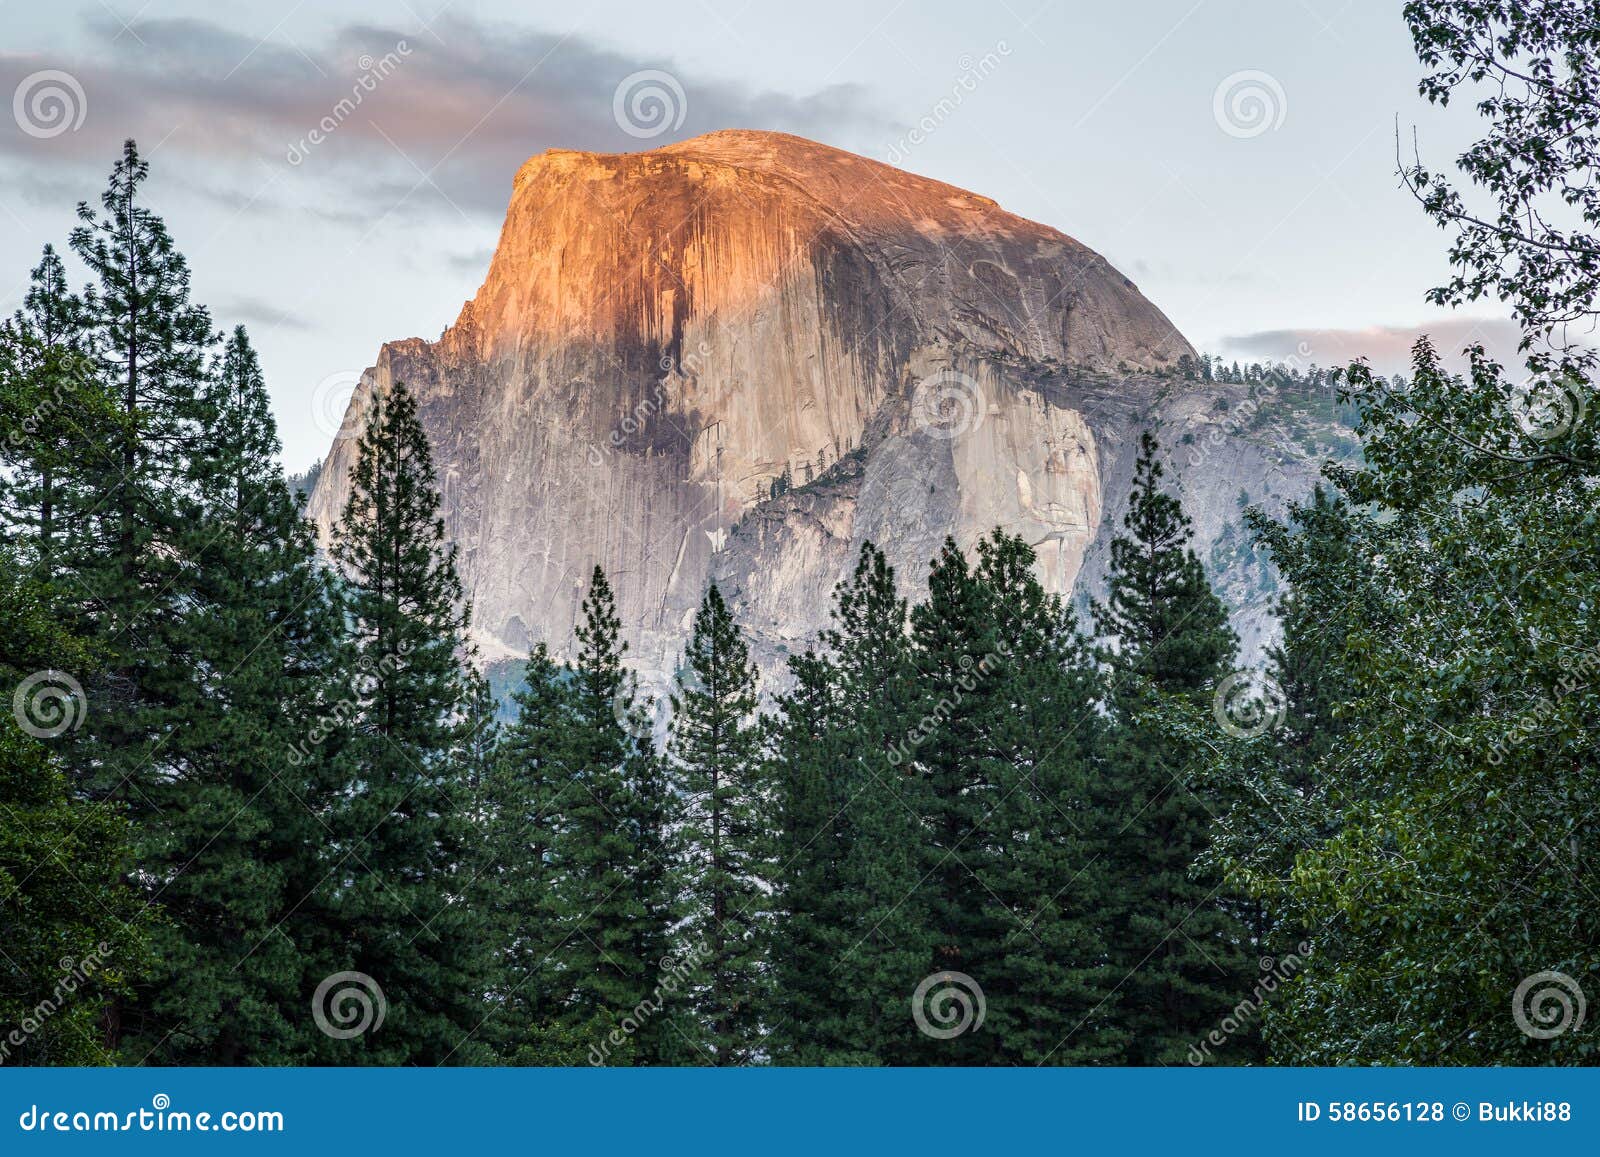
point(665, 338)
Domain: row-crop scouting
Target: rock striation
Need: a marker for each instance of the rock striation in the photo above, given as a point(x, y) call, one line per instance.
point(738, 357)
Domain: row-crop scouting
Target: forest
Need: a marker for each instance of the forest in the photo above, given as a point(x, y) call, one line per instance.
point(258, 805)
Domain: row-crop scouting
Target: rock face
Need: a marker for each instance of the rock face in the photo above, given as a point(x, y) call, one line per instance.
point(665, 338)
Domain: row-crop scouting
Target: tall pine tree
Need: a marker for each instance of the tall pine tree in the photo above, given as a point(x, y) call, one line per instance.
point(1174, 936)
point(727, 865)
point(403, 852)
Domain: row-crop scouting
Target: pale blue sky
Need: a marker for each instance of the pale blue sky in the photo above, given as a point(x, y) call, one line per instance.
point(1098, 119)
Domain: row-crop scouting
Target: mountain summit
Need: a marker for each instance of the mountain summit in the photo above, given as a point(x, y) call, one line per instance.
point(737, 357)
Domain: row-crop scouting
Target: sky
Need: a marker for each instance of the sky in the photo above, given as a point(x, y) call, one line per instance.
point(337, 174)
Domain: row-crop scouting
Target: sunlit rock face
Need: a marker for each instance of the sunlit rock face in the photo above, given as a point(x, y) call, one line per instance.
point(663, 336)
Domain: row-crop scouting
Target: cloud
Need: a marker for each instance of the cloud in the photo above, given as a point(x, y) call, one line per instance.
point(1387, 347)
point(230, 311)
point(445, 115)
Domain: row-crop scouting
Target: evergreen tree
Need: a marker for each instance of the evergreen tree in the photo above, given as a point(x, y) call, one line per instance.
point(73, 934)
point(403, 851)
point(149, 344)
point(234, 848)
point(879, 801)
point(957, 650)
point(521, 800)
point(1171, 629)
point(57, 417)
point(1051, 995)
point(607, 881)
point(811, 1025)
point(727, 863)
point(1174, 932)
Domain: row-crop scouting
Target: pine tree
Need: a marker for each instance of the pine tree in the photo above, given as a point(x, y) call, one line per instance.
point(878, 929)
point(956, 654)
point(403, 851)
point(235, 847)
point(1170, 627)
point(58, 417)
point(73, 934)
point(727, 864)
point(610, 907)
point(1174, 933)
point(149, 344)
point(1050, 995)
point(525, 795)
point(811, 1025)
